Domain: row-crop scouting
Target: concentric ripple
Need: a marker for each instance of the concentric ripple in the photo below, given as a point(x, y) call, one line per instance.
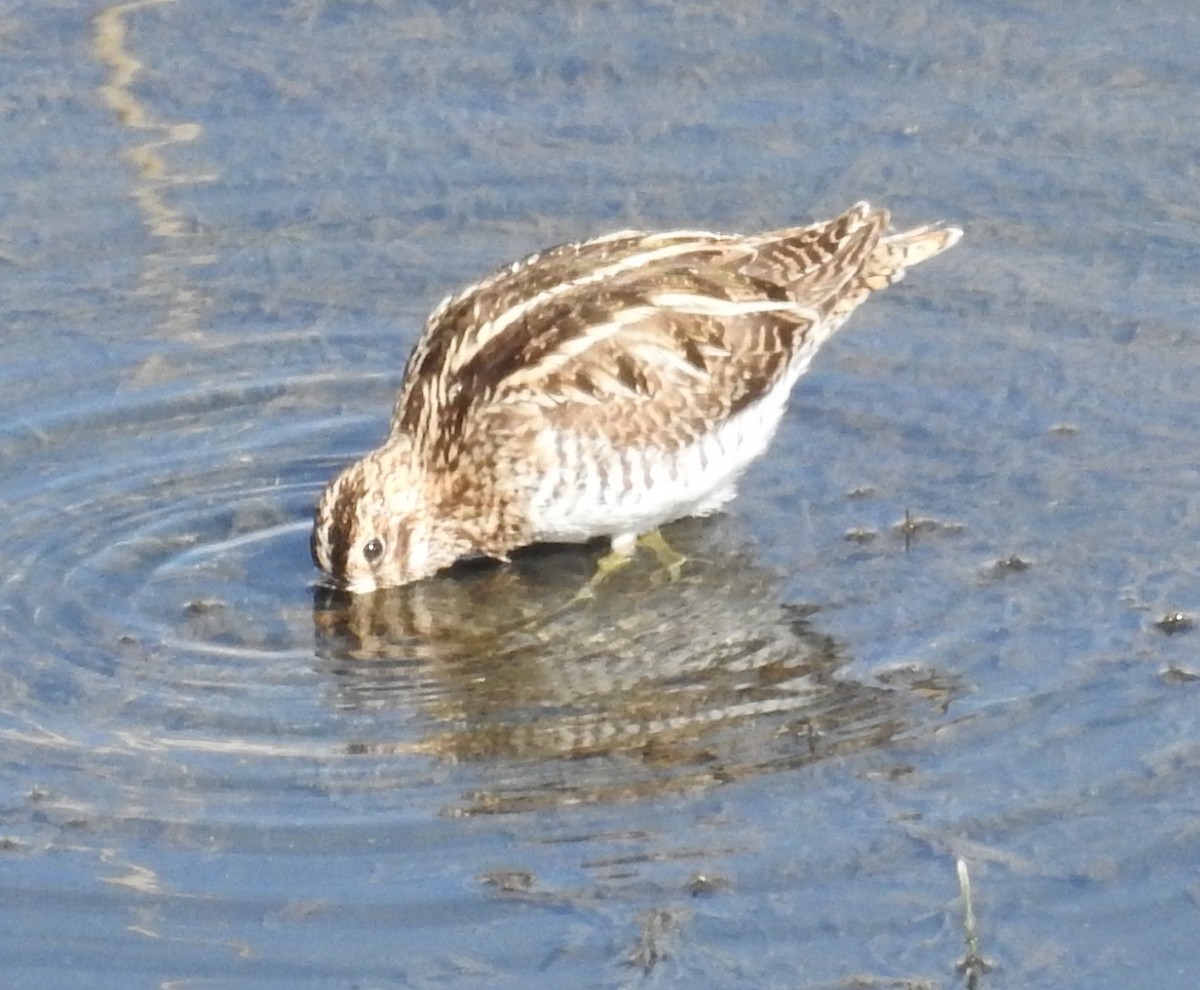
point(157, 579)
point(160, 594)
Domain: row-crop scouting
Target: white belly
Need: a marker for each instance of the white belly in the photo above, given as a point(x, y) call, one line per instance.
point(636, 489)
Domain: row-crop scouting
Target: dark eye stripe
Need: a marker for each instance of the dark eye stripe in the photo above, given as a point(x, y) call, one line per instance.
point(341, 525)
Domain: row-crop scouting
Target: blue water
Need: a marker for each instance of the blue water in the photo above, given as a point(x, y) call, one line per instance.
point(221, 227)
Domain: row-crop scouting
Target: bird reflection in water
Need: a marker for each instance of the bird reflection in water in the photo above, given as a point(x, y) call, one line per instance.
point(654, 685)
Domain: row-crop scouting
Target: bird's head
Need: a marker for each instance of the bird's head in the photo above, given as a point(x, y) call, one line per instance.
point(375, 525)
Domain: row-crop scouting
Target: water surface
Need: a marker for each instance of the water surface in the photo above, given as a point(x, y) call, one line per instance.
point(931, 629)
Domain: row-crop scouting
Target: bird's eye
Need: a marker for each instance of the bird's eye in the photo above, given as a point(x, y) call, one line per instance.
point(373, 550)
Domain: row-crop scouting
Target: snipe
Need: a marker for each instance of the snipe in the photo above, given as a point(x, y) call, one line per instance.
point(600, 389)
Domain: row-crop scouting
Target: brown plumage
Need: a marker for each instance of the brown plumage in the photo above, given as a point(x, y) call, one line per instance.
point(600, 389)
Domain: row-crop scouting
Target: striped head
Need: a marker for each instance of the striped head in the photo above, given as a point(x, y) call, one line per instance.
point(373, 526)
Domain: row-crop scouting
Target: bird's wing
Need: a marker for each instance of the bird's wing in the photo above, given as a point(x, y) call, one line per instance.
point(659, 337)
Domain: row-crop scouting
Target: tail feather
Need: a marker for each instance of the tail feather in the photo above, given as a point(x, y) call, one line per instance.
point(891, 256)
point(896, 253)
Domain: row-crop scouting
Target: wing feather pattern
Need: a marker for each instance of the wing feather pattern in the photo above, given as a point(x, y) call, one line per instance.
point(651, 336)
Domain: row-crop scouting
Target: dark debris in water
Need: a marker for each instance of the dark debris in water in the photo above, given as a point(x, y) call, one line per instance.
point(707, 884)
point(1009, 565)
point(205, 606)
point(1175, 622)
point(860, 534)
point(1175, 674)
point(910, 527)
point(509, 881)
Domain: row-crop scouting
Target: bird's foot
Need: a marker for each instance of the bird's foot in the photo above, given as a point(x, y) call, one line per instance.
point(623, 549)
point(669, 559)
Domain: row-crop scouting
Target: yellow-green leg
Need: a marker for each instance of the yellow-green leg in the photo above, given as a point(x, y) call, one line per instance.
point(622, 552)
point(670, 559)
